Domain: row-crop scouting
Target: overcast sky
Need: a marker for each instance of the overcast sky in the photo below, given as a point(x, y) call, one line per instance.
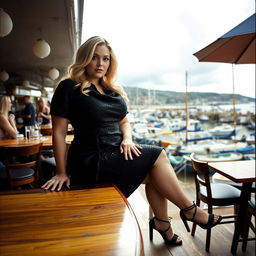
point(154, 41)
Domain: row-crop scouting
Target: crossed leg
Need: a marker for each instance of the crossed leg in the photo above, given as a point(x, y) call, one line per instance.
point(162, 185)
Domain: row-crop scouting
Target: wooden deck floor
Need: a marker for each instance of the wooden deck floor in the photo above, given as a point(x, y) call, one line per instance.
point(221, 237)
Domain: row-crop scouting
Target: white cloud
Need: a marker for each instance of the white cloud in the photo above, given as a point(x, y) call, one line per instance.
point(154, 41)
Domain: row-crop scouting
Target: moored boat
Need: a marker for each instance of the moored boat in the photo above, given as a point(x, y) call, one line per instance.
point(213, 146)
point(219, 157)
point(223, 131)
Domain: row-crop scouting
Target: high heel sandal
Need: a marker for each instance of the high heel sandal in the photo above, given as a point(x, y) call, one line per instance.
point(209, 224)
point(152, 226)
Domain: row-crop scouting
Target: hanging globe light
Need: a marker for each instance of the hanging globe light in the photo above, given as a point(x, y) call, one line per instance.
point(25, 83)
point(53, 73)
point(41, 48)
point(4, 76)
point(5, 23)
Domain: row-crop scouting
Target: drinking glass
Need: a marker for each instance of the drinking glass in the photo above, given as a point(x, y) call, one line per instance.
point(39, 123)
point(28, 131)
point(36, 132)
point(39, 120)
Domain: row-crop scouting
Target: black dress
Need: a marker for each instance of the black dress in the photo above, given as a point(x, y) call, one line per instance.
point(45, 120)
point(94, 155)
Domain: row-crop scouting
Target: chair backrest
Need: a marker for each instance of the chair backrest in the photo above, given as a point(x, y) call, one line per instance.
point(201, 175)
point(70, 130)
point(46, 131)
point(30, 156)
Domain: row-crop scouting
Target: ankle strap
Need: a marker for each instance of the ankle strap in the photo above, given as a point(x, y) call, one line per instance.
point(166, 221)
point(189, 207)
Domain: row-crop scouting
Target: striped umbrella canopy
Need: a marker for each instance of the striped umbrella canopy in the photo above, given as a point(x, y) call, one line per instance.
point(236, 46)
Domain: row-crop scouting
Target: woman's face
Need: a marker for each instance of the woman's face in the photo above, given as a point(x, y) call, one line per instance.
point(41, 102)
point(99, 64)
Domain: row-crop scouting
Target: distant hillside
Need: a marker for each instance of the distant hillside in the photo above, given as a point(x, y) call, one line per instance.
point(143, 96)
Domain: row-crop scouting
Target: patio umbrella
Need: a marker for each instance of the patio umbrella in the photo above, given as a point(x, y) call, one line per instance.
point(238, 46)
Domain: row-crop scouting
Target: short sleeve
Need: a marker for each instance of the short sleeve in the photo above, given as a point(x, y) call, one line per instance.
point(60, 105)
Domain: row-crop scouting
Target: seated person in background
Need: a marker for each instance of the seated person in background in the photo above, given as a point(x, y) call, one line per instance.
point(8, 128)
point(44, 111)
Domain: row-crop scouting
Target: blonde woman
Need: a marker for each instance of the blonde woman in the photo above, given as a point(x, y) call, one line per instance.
point(103, 151)
point(8, 128)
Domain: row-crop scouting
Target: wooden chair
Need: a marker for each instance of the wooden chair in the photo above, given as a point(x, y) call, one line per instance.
point(213, 194)
point(48, 167)
point(70, 129)
point(46, 131)
point(249, 224)
point(21, 165)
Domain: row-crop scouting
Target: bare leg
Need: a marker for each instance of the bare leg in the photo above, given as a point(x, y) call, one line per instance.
point(157, 202)
point(163, 178)
point(159, 207)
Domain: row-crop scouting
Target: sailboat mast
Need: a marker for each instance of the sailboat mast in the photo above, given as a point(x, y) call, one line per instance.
point(186, 108)
point(234, 98)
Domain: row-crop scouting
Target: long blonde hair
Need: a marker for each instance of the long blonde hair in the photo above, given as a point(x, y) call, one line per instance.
point(41, 104)
point(4, 105)
point(83, 58)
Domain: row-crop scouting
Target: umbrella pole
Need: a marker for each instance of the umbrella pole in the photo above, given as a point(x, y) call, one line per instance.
point(234, 99)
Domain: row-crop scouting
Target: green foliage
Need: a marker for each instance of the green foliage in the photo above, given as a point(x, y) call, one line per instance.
point(138, 96)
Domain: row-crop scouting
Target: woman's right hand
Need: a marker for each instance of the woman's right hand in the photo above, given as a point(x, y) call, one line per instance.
point(57, 181)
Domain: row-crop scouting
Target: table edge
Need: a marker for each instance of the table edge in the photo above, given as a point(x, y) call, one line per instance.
point(239, 180)
point(139, 251)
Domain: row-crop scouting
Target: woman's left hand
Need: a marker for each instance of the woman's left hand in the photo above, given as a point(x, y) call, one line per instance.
point(128, 147)
point(11, 117)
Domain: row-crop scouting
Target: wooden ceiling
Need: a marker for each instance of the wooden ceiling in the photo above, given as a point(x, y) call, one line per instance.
point(56, 21)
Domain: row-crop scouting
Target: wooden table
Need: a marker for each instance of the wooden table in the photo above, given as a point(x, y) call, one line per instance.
point(239, 172)
point(47, 126)
point(46, 140)
point(95, 221)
